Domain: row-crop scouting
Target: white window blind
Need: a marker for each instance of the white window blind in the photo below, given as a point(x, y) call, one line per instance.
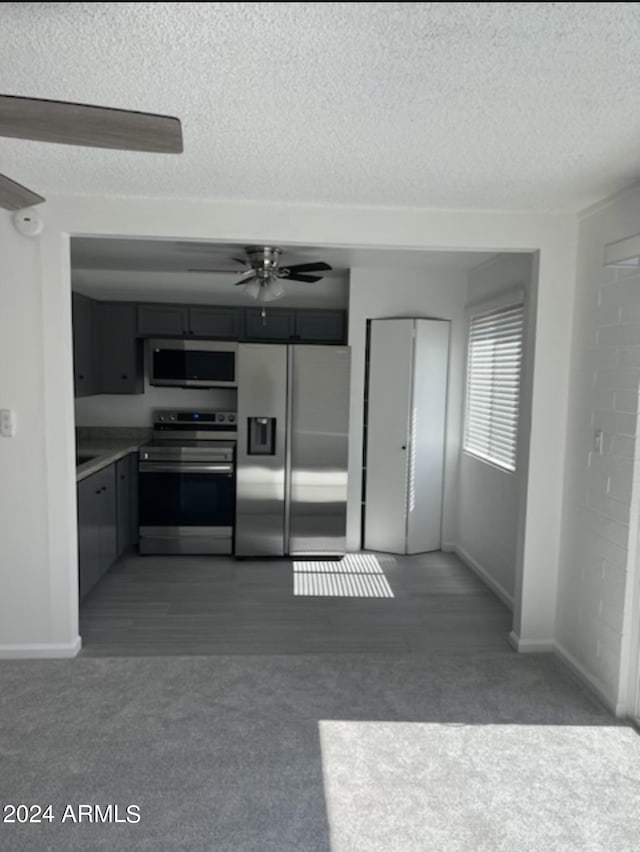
point(494, 359)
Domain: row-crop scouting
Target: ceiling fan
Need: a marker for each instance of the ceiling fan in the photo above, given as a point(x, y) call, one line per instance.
point(67, 123)
point(263, 280)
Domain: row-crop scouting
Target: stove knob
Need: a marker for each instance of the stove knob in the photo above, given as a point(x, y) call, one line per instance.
point(232, 418)
point(161, 418)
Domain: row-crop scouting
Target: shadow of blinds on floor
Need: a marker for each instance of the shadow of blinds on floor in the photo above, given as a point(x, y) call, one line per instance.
point(357, 575)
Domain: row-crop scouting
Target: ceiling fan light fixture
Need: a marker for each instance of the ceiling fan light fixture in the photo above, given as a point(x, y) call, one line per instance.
point(271, 291)
point(252, 289)
point(264, 279)
point(264, 289)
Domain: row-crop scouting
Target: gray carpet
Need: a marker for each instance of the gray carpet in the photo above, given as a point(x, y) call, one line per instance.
point(397, 753)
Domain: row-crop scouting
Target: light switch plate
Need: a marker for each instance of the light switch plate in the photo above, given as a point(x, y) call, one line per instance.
point(7, 422)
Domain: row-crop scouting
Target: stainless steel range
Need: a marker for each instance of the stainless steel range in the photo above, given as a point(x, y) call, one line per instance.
point(187, 483)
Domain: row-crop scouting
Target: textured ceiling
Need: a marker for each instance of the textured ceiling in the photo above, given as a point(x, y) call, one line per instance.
point(477, 105)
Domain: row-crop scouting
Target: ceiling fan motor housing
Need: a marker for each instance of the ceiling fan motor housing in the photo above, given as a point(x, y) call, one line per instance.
point(264, 260)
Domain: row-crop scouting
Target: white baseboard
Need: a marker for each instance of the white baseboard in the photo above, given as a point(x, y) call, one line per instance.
point(592, 683)
point(484, 575)
point(531, 646)
point(43, 651)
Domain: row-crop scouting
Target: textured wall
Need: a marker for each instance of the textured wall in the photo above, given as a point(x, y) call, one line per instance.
point(601, 495)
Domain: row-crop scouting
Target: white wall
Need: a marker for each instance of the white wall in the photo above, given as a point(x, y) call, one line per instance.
point(136, 409)
point(602, 500)
point(489, 498)
point(436, 293)
point(24, 544)
point(39, 604)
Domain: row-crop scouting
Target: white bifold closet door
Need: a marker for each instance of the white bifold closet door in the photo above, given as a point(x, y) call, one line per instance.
point(408, 363)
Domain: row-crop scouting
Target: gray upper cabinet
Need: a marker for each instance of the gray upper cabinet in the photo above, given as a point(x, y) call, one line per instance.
point(278, 324)
point(120, 355)
point(281, 325)
point(169, 320)
point(220, 323)
point(84, 355)
point(321, 326)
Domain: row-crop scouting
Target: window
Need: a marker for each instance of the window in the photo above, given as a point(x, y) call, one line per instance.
point(494, 358)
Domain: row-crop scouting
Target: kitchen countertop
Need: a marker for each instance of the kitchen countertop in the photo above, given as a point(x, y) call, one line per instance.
point(104, 455)
point(106, 446)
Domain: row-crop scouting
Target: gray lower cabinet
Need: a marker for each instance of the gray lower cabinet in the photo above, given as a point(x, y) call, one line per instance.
point(120, 350)
point(219, 323)
point(321, 326)
point(277, 324)
point(84, 353)
point(127, 490)
point(170, 320)
point(97, 527)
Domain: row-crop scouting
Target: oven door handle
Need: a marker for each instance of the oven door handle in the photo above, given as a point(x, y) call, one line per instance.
point(185, 467)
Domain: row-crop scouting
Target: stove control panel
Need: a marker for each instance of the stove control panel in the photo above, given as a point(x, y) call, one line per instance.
point(201, 419)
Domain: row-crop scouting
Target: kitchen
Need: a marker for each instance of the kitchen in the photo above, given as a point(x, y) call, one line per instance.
point(213, 444)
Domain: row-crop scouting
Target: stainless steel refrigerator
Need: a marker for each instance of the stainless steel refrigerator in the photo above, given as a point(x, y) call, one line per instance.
point(293, 423)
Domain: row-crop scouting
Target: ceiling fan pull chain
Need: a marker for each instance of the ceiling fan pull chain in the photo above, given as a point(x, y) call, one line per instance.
point(263, 314)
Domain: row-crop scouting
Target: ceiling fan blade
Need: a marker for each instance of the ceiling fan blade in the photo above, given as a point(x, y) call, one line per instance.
point(68, 123)
point(242, 260)
point(308, 267)
point(309, 278)
point(14, 196)
point(244, 279)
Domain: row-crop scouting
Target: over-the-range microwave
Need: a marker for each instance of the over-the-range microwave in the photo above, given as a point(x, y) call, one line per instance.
point(192, 363)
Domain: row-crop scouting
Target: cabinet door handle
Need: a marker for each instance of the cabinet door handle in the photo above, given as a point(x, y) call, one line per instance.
point(122, 476)
point(124, 376)
point(81, 377)
point(99, 491)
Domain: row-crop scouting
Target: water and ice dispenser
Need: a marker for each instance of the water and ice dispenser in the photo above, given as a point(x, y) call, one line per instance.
point(261, 434)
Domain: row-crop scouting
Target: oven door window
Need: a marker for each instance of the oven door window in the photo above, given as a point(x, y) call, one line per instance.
point(186, 499)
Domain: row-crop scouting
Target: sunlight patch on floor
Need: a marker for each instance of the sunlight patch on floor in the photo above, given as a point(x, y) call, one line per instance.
point(357, 575)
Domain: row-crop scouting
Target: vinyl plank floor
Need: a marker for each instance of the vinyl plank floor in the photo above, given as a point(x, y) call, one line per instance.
point(149, 606)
